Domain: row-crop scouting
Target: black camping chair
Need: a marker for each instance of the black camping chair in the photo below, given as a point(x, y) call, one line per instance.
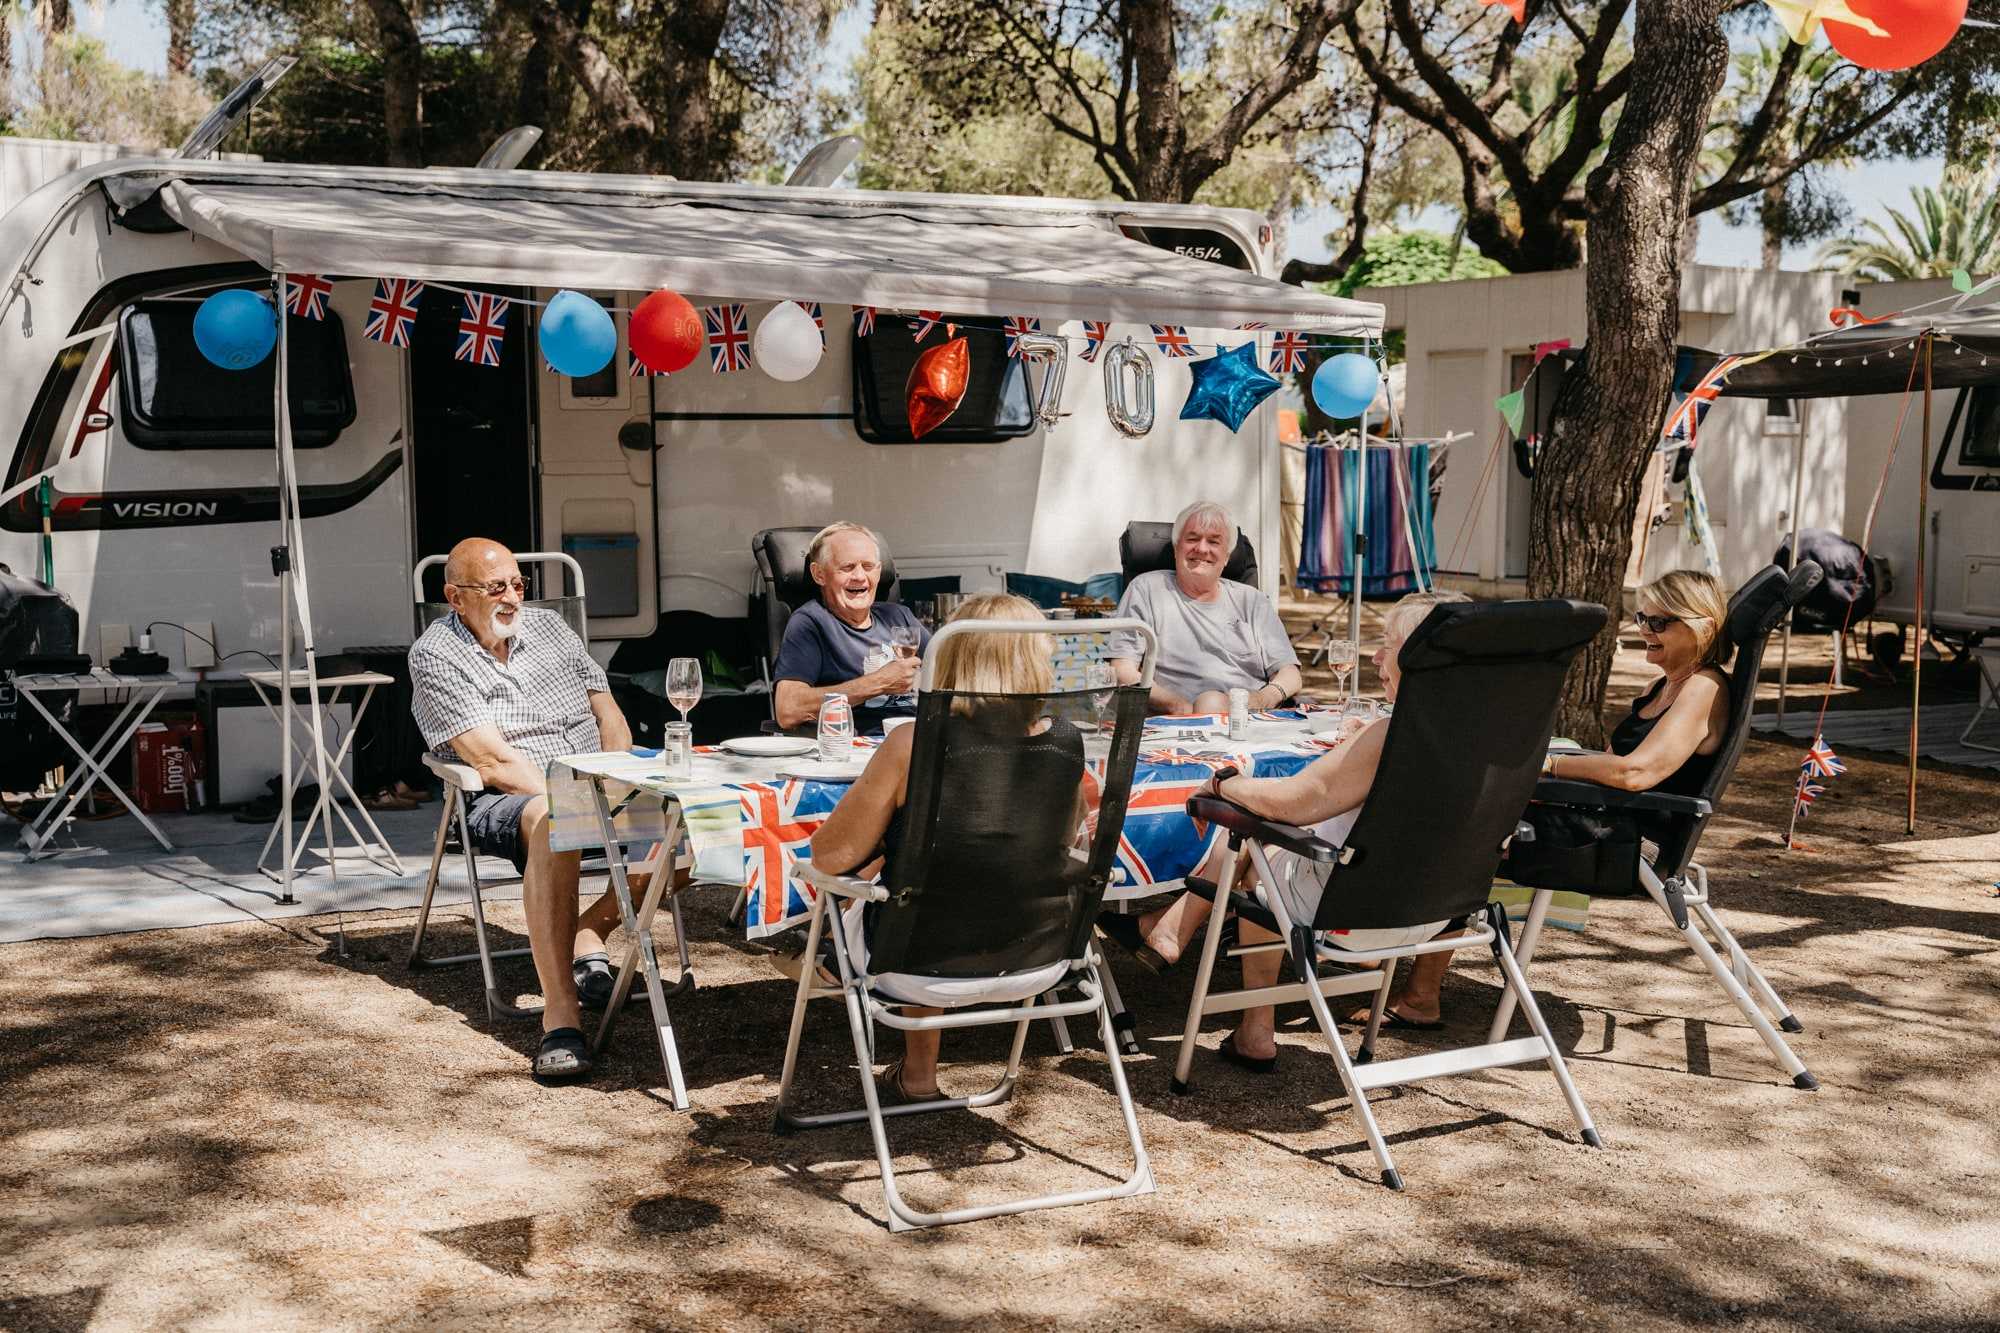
point(1648, 838)
point(988, 888)
point(1473, 717)
point(1145, 547)
point(784, 583)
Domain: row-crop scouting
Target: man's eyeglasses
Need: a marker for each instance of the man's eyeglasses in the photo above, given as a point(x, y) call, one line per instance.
point(496, 587)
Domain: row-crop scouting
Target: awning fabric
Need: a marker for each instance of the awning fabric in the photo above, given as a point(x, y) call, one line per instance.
point(901, 256)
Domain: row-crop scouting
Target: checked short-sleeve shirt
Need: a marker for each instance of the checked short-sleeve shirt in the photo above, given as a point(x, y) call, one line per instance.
point(539, 698)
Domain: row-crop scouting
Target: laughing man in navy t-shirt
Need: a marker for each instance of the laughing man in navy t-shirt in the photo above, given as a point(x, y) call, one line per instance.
point(845, 643)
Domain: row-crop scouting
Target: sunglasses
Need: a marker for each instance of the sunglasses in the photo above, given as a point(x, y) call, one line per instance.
point(497, 587)
point(1658, 624)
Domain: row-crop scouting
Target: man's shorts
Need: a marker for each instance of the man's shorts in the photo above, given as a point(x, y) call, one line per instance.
point(494, 819)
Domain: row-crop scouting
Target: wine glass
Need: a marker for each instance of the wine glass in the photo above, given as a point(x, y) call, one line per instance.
point(684, 684)
point(904, 639)
point(1100, 680)
point(1342, 655)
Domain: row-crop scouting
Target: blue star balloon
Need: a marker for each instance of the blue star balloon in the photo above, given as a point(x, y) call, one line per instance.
point(1227, 387)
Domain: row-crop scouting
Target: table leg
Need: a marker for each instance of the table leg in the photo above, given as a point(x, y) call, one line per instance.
point(31, 836)
point(328, 806)
point(144, 700)
point(642, 935)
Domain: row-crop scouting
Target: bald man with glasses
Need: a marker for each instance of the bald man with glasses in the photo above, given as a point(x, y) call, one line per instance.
point(506, 689)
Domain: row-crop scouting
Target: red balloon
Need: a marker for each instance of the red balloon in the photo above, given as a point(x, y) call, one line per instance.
point(1918, 30)
point(937, 385)
point(666, 332)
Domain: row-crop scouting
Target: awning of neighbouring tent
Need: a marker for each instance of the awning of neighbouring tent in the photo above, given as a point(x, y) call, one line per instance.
point(984, 260)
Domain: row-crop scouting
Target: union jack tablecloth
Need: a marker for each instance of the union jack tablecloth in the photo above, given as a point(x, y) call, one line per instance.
point(748, 825)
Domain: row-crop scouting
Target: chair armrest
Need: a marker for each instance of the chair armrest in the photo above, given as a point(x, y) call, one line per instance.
point(840, 886)
point(1567, 791)
point(462, 776)
point(1229, 815)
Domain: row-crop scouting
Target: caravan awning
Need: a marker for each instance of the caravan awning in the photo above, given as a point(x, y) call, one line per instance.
point(894, 254)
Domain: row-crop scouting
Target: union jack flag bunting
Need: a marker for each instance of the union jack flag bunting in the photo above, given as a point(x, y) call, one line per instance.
point(1288, 353)
point(1685, 417)
point(393, 311)
point(305, 295)
point(1095, 331)
point(778, 823)
point(1820, 761)
point(482, 329)
point(636, 368)
point(728, 338)
point(1253, 324)
point(1172, 340)
point(1808, 793)
point(1016, 328)
point(819, 320)
point(925, 321)
point(864, 320)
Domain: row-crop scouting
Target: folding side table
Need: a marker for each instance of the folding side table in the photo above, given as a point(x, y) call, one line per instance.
point(145, 694)
point(328, 807)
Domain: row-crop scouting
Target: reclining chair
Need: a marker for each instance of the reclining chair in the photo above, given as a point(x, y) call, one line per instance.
point(987, 884)
point(785, 583)
point(462, 782)
point(1144, 547)
point(1471, 727)
point(1660, 833)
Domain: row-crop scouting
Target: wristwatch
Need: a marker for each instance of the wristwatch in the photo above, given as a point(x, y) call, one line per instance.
point(1220, 776)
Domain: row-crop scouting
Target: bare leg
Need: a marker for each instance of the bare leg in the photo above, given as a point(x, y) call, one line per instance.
point(1256, 1029)
point(548, 899)
point(599, 919)
point(1171, 928)
point(1419, 997)
point(920, 1055)
point(1211, 701)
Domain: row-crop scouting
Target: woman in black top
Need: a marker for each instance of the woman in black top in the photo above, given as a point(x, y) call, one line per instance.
point(1668, 742)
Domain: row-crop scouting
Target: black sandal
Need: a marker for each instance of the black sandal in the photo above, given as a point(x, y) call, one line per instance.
point(1228, 1051)
point(564, 1055)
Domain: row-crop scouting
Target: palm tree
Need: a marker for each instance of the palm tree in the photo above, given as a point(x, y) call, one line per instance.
point(1955, 226)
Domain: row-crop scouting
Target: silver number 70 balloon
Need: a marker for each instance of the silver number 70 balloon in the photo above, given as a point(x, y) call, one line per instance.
point(1128, 388)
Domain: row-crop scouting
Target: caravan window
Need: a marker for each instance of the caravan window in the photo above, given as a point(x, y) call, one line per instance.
point(173, 397)
point(996, 403)
point(1979, 445)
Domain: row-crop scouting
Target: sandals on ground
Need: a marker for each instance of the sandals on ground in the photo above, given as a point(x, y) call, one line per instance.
point(1124, 928)
point(891, 1092)
point(1266, 1065)
point(563, 1055)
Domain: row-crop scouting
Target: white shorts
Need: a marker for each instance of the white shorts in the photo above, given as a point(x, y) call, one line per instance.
point(945, 992)
point(1302, 882)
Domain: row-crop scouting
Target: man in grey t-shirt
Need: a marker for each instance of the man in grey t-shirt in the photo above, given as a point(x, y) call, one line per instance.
point(1214, 635)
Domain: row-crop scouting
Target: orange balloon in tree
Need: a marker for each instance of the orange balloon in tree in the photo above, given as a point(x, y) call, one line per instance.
point(937, 385)
point(666, 333)
point(1918, 30)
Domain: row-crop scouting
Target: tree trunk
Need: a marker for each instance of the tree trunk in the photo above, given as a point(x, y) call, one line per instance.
point(535, 101)
point(1159, 131)
point(180, 36)
point(402, 82)
point(1609, 417)
point(1771, 219)
point(54, 17)
point(699, 147)
point(6, 62)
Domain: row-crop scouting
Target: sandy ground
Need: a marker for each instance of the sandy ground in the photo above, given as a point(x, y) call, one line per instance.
point(276, 1125)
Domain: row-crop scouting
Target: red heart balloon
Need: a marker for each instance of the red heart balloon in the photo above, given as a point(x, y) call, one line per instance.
point(1918, 30)
point(666, 332)
point(937, 385)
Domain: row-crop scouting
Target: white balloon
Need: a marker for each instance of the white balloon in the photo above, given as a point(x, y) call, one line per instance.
point(787, 342)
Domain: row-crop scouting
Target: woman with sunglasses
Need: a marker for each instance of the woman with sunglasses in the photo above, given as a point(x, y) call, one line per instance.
point(1668, 742)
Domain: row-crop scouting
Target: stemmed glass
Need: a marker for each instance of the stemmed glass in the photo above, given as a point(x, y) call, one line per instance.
point(904, 639)
point(684, 684)
point(1342, 655)
point(1100, 680)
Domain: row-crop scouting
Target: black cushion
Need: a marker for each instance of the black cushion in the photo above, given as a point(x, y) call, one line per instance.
point(1144, 547)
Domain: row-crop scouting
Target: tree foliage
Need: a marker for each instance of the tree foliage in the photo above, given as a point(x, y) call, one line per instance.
point(1954, 225)
point(75, 90)
point(1397, 259)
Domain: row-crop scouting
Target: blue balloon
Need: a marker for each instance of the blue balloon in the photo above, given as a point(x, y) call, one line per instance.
point(236, 329)
point(578, 337)
point(1344, 385)
point(1227, 387)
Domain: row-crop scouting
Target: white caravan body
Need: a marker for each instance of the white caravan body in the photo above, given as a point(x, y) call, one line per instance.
point(659, 480)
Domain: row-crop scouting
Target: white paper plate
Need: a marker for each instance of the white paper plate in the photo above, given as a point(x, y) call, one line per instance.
point(771, 747)
point(815, 771)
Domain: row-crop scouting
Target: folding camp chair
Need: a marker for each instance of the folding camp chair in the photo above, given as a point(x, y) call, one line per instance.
point(1662, 830)
point(462, 782)
point(1473, 716)
point(986, 889)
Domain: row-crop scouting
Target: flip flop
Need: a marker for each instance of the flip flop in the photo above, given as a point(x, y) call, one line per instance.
point(1267, 1065)
point(564, 1055)
point(1124, 928)
point(1395, 1022)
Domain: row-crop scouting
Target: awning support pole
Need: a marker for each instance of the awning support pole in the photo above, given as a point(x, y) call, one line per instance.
point(292, 584)
point(1792, 561)
point(1923, 514)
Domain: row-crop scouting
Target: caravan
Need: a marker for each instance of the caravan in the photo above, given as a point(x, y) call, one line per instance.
point(145, 477)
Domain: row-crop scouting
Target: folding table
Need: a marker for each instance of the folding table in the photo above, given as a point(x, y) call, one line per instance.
point(1987, 657)
point(145, 694)
point(267, 683)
